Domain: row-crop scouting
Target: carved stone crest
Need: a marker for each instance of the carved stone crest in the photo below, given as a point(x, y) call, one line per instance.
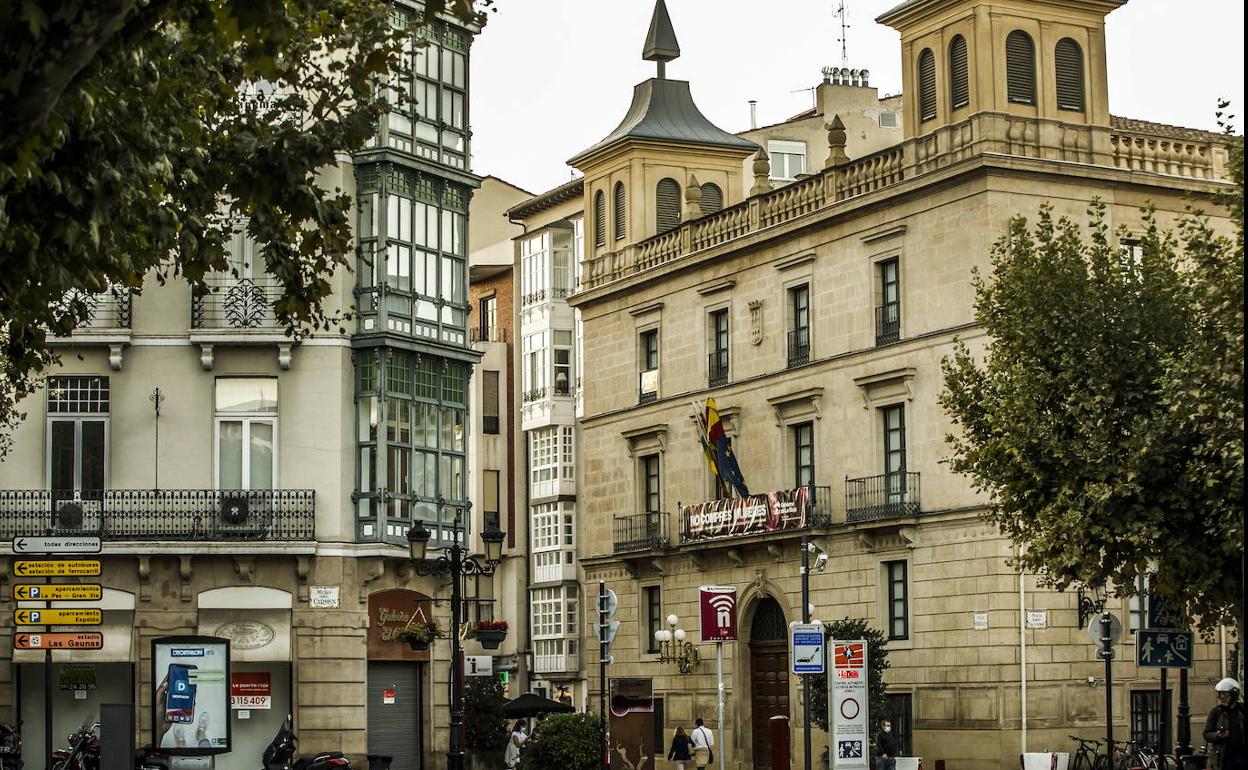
point(246, 634)
point(756, 322)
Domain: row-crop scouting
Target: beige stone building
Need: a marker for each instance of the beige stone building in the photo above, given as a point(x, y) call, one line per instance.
point(816, 314)
point(259, 487)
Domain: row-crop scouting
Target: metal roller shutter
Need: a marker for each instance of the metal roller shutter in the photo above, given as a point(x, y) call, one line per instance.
point(396, 729)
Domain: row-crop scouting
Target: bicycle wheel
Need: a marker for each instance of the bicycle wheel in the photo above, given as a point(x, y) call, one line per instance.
point(1101, 762)
point(1081, 761)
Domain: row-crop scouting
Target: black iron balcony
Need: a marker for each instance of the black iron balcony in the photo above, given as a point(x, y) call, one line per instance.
point(799, 347)
point(533, 297)
point(236, 303)
point(106, 310)
point(717, 369)
point(888, 496)
point(199, 515)
point(888, 323)
point(640, 532)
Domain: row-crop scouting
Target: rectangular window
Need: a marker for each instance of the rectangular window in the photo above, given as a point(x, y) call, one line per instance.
point(799, 325)
point(78, 436)
point(246, 433)
point(489, 402)
point(650, 499)
point(653, 617)
point(543, 454)
point(534, 374)
point(788, 159)
point(888, 312)
point(804, 454)
point(648, 364)
point(489, 502)
point(562, 352)
point(901, 714)
point(534, 268)
point(898, 609)
point(717, 361)
point(1146, 715)
point(487, 323)
point(1139, 604)
point(895, 452)
point(567, 453)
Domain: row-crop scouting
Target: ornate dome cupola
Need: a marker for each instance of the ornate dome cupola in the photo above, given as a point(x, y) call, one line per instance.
point(638, 175)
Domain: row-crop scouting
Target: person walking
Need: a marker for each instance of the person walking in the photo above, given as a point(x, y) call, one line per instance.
point(511, 756)
point(887, 747)
point(1224, 729)
point(682, 749)
point(703, 743)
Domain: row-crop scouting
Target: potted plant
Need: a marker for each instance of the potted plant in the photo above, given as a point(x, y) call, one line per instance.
point(491, 633)
point(418, 635)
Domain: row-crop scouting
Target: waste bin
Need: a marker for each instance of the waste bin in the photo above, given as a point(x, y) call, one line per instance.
point(779, 743)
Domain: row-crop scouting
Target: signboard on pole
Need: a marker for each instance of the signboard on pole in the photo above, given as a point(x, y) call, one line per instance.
point(850, 713)
point(478, 665)
point(1164, 649)
point(67, 592)
point(29, 617)
point(191, 701)
point(61, 640)
point(718, 611)
point(56, 545)
point(57, 568)
point(806, 648)
point(1164, 613)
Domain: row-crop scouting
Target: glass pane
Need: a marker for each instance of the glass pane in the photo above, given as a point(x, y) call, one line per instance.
point(93, 455)
point(246, 394)
point(261, 455)
point(61, 476)
point(230, 454)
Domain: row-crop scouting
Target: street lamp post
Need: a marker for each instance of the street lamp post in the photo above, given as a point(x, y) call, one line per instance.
point(457, 564)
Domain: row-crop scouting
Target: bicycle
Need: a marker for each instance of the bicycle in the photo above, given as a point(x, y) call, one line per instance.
point(1135, 755)
point(1088, 756)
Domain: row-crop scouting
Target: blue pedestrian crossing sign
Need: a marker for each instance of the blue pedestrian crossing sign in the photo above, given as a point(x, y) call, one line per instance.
point(1164, 649)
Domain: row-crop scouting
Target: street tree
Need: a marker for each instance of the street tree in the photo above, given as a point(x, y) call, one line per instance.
point(1105, 416)
point(136, 134)
point(848, 629)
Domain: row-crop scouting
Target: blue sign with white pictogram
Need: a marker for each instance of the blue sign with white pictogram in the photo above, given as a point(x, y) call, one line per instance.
point(1164, 613)
point(807, 648)
point(1164, 649)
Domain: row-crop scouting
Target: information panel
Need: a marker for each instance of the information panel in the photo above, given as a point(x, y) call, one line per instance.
point(191, 703)
point(850, 742)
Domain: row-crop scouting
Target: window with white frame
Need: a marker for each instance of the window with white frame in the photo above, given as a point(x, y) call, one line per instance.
point(534, 255)
point(544, 454)
point(246, 432)
point(547, 608)
point(578, 250)
point(562, 354)
point(1139, 604)
point(788, 159)
point(567, 453)
point(561, 263)
point(78, 435)
point(534, 374)
point(546, 526)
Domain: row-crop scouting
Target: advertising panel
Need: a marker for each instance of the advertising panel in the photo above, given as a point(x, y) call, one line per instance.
point(632, 724)
point(779, 510)
point(850, 741)
point(718, 606)
point(251, 690)
point(191, 703)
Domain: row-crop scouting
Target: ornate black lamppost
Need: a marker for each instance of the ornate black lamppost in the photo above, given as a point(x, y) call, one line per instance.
point(456, 563)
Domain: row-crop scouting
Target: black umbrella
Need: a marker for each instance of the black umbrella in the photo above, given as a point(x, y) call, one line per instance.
point(531, 705)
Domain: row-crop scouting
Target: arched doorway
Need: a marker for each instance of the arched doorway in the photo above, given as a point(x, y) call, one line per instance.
point(769, 675)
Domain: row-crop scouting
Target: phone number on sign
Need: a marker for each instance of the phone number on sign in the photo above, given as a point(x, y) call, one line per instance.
point(250, 701)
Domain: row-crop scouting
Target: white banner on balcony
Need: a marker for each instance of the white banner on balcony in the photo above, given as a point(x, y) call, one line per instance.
point(756, 514)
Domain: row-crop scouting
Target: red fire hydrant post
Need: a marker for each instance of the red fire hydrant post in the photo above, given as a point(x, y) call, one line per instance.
point(780, 743)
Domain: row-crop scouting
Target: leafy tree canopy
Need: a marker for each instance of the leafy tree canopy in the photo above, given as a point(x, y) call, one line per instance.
point(565, 741)
point(1106, 416)
point(484, 726)
point(132, 132)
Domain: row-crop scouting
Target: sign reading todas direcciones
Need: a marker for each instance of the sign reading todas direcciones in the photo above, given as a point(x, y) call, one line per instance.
point(191, 702)
point(850, 715)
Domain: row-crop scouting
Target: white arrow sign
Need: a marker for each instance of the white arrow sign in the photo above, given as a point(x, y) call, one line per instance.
point(56, 545)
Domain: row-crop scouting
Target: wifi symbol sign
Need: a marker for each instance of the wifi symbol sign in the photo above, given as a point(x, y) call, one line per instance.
point(719, 613)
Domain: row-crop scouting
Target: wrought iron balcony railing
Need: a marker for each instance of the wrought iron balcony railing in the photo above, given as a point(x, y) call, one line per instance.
point(236, 303)
point(199, 515)
point(533, 297)
point(799, 347)
point(533, 394)
point(887, 323)
point(106, 310)
point(717, 369)
point(887, 496)
point(640, 532)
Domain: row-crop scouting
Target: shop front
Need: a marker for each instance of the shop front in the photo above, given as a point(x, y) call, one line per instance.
point(397, 679)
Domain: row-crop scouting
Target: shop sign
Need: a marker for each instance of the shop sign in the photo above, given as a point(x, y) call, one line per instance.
point(738, 517)
point(323, 597)
point(388, 613)
point(388, 697)
point(849, 701)
point(718, 605)
point(251, 690)
point(76, 678)
point(191, 699)
point(478, 665)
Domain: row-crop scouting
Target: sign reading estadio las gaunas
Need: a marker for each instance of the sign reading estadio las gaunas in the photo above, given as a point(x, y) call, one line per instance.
point(718, 605)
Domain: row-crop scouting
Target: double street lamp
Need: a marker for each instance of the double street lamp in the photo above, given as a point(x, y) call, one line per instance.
point(456, 563)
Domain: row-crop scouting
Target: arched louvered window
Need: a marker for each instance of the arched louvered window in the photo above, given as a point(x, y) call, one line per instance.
point(712, 198)
point(600, 219)
point(959, 74)
point(619, 214)
point(667, 205)
point(1068, 60)
point(1020, 68)
point(927, 85)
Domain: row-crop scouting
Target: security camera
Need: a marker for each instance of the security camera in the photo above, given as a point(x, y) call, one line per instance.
point(821, 562)
point(1091, 681)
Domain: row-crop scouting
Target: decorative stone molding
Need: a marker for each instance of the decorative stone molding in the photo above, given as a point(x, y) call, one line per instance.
point(649, 307)
point(716, 286)
point(734, 556)
point(145, 577)
point(791, 262)
point(887, 386)
point(184, 573)
point(756, 322)
point(245, 568)
point(205, 356)
point(792, 406)
point(303, 572)
point(646, 440)
point(114, 356)
point(896, 231)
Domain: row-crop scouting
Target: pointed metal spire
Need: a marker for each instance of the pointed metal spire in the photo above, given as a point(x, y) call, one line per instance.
point(661, 45)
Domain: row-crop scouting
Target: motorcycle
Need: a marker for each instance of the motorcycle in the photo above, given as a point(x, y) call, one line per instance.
point(10, 748)
point(84, 749)
point(281, 750)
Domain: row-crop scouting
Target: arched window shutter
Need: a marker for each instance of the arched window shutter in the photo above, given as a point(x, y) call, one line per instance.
point(600, 219)
point(619, 211)
point(959, 74)
point(667, 205)
point(1020, 68)
point(712, 198)
point(1068, 60)
point(927, 85)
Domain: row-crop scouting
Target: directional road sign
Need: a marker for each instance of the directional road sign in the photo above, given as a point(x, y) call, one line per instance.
point(69, 592)
point(807, 653)
point(57, 568)
point(29, 617)
point(1164, 613)
point(64, 640)
point(57, 545)
point(1164, 649)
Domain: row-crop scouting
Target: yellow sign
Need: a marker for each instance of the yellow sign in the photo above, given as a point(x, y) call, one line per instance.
point(41, 617)
point(57, 568)
point(73, 592)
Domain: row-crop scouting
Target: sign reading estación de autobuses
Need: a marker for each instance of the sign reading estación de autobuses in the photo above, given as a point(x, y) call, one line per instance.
point(780, 510)
point(718, 605)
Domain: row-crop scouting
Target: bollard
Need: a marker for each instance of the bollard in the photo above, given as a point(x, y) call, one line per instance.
point(780, 743)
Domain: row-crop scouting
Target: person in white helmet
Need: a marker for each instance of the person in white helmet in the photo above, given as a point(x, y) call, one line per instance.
point(1224, 730)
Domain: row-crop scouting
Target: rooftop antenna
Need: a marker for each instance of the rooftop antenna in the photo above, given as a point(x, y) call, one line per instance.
point(840, 13)
point(814, 100)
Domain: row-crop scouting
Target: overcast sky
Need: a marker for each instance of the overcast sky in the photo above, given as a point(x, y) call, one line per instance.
point(552, 77)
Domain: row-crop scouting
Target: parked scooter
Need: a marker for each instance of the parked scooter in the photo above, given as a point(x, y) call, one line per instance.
point(10, 748)
point(83, 752)
point(281, 751)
